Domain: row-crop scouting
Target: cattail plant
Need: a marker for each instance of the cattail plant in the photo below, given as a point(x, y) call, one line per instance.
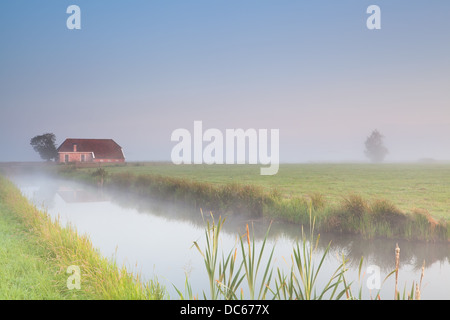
point(211, 253)
point(419, 285)
point(397, 264)
point(251, 270)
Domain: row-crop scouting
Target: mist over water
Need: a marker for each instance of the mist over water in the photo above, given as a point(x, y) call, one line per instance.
point(156, 239)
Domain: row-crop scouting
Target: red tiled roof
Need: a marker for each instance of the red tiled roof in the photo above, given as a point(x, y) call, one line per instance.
point(102, 148)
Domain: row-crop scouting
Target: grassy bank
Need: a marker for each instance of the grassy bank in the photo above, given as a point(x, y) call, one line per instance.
point(360, 201)
point(408, 186)
point(24, 272)
point(35, 253)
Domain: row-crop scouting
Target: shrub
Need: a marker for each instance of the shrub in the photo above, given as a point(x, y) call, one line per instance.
point(355, 206)
point(424, 226)
point(385, 211)
point(318, 201)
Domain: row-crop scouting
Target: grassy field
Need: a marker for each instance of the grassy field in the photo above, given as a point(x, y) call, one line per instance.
point(407, 186)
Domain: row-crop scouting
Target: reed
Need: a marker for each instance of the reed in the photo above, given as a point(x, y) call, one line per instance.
point(415, 292)
point(225, 283)
point(227, 275)
point(397, 264)
point(301, 283)
point(251, 270)
point(189, 295)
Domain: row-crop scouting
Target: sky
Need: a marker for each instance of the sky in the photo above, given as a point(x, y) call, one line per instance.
point(138, 70)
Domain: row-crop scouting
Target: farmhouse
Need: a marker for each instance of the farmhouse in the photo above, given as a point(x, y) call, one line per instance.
point(90, 150)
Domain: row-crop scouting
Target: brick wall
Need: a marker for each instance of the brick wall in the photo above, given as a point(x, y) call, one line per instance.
point(75, 157)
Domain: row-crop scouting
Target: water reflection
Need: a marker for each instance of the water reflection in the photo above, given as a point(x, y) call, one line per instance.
point(353, 247)
point(155, 238)
point(73, 194)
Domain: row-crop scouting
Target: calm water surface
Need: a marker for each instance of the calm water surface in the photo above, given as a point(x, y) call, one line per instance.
point(156, 240)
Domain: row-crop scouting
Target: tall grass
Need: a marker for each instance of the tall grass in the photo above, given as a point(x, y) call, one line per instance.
point(25, 274)
point(101, 278)
point(381, 218)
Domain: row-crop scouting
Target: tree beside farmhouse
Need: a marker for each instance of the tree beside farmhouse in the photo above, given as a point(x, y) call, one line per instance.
point(45, 146)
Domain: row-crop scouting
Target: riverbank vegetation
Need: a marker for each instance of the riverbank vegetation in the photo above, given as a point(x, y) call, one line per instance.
point(36, 252)
point(390, 201)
